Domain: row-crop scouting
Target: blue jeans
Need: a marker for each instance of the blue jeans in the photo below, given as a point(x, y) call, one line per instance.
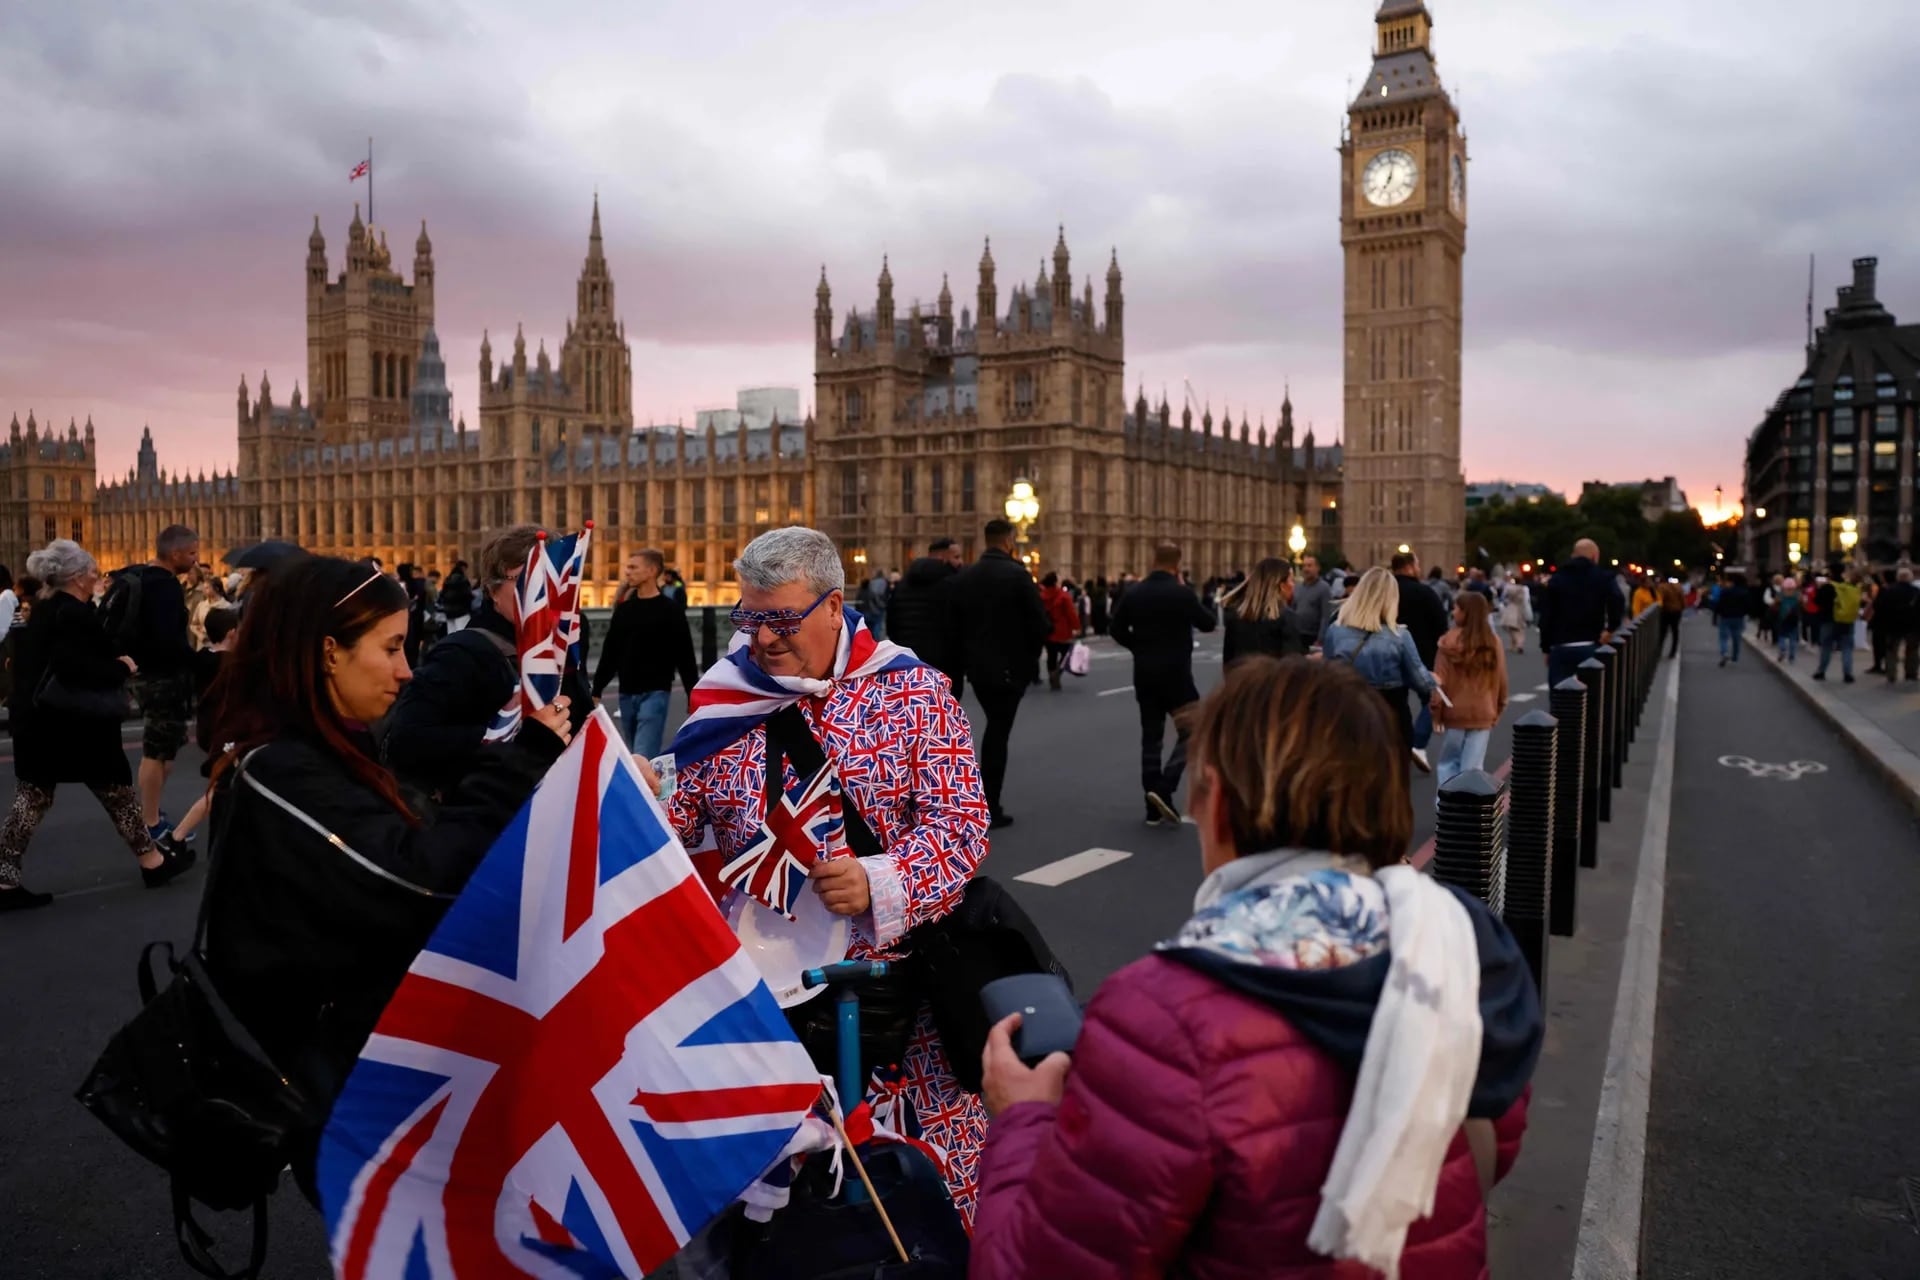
point(1836, 635)
point(1423, 724)
point(1786, 638)
point(1731, 631)
point(643, 719)
point(1563, 659)
point(1461, 751)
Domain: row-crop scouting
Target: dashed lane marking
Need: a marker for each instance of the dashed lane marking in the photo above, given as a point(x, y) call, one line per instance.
point(1521, 697)
point(1108, 693)
point(1085, 862)
point(1543, 688)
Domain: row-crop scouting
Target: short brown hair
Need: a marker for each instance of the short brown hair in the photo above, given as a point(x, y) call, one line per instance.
point(504, 555)
point(654, 558)
point(1166, 556)
point(1308, 757)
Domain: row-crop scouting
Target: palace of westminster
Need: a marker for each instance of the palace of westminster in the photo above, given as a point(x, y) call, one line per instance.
point(922, 419)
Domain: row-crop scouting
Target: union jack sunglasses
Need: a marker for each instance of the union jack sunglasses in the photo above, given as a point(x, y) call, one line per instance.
point(785, 623)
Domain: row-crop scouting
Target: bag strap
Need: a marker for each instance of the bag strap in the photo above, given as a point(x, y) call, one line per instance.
point(196, 1243)
point(789, 736)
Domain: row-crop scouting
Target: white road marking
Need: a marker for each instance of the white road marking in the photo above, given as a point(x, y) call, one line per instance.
point(1543, 688)
point(1609, 1244)
point(1085, 862)
point(1790, 772)
point(1108, 693)
point(1521, 697)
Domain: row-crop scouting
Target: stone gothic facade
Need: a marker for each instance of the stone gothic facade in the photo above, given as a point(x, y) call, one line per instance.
point(924, 420)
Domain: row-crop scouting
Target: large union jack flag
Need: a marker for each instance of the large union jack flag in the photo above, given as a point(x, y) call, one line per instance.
point(807, 825)
point(580, 1069)
point(548, 634)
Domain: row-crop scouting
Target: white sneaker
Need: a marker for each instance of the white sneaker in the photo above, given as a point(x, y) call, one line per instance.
point(1420, 758)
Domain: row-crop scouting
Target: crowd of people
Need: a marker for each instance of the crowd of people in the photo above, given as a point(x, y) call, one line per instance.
point(1825, 610)
point(1261, 1086)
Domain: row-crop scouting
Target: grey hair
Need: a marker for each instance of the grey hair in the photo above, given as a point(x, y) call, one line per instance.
point(792, 554)
point(59, 562)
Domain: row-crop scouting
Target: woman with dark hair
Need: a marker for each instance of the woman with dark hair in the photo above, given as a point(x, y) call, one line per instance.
point(1258, 616)
point(1321, 1074)
point(1063, 625)
point(330, 877)
point(65, 714)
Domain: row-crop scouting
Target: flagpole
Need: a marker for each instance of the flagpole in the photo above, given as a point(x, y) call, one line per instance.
point(369, 180)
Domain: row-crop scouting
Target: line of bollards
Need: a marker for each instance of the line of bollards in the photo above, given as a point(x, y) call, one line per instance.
point(1514, 842)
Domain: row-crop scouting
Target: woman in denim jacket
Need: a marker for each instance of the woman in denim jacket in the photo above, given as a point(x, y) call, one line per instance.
point(1365, 633)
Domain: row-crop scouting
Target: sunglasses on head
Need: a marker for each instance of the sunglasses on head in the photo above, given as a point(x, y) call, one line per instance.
point(785, 623)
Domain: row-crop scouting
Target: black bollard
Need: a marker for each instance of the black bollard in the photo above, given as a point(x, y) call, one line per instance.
point(1624, 640)
point(1569, 704)
point(1593, 786)
point(1530, 838)
point(709, 635)
point(1609, 658)
point(1470, 837)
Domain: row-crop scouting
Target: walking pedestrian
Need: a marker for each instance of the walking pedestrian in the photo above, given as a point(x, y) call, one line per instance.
point(1516, 613)
point(1313, 597)
point(1098, 601)
point(1810, 616)
point(1644, 596)
point(1437, 583)
point(1063, 619)
point(871, 601)
point(456, 597)
point(1876, 631)
point(331, 880)
point(1786, 622)
point(1155, 621)
point(145, 612)
point(1367, 634)
point(920, 611)
point(1579, 610)
point(435, 734)
point(1673, 605)
point(1257, 614)
point(416, 588)
point(1731, 608)
point(1899, 607)
point(647, 644)
point(1839, 605)
point(1207, 1123)
point(1001, 625)
point(65, 720)
point(1472, 672)
point(1425, 618)
point(915, 802)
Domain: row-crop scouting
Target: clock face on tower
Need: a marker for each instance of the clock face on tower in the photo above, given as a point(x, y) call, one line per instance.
point(1389, 178)
point(1459, 184)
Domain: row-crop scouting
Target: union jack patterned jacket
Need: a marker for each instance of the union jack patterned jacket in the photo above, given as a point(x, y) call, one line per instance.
point(902, 746)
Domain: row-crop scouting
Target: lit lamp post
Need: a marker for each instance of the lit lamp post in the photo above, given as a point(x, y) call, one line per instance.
point(1849, 535)
point(1297, 541)
point(1023, 508)
point(1793, 554)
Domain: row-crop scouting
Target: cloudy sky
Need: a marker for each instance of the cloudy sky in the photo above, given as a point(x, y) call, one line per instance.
point(1649, 179)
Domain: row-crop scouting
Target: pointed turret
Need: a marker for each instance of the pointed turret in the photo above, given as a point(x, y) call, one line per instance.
point(945, 324)
point(266, 390)
point(541, 362)
point(883, 310)
point(1115, 302)
point(594, 250)
point(988, 296)
point(486, 359)
point(519, 353)
point(422, 247)
point(823, 315)
point(1062, 277)
point(245, 404)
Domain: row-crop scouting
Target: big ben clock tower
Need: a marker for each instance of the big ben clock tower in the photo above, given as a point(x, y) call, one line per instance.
point(1403, 225)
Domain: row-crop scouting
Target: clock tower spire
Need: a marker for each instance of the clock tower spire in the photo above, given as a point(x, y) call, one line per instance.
point(1403, 229)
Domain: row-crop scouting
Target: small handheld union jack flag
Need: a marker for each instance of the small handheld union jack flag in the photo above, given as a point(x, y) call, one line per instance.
point(808, 824)
point(549, 629)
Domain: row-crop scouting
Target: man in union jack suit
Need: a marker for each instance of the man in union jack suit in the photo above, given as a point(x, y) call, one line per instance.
point(900, 749)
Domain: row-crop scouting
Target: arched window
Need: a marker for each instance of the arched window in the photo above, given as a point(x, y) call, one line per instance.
point(46, 484)
point(76, 489)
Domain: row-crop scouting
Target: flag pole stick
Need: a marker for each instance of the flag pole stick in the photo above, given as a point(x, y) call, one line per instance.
point(369, 180)
point(846, 1144)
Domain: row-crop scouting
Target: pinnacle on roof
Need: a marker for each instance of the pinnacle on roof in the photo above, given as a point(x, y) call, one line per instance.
point(423, 247)
point(316, 241)
point(593, 233)
point(1060, 245)
point(356, 228)
point(986, 255)
point(1113, 266)
point(823, 292)
point(946, 293)
point(886, 275)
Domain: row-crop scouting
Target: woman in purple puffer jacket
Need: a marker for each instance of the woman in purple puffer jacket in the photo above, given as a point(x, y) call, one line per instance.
point(1319, 1077)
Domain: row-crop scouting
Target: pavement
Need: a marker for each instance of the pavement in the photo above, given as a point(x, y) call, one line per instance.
point(1878, 718)
point(1784, 1134)
point(1104, 887)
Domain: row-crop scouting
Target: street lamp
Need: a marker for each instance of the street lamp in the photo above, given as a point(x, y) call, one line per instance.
point(1023, 508)
point(1297, 541)
point(1760, 513)
point(1404, 549)
point(1793, 553)
point(1849, 533)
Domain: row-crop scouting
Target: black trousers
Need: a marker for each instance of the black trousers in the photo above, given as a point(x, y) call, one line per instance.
point(1157, 705)
point(1001, 707)
point(1670, 631)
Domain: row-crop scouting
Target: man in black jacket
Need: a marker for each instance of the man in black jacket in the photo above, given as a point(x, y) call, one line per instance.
point(435, 734)
point(1156, 620)
point(647, 644)
point(920, 612)
point(148, 622)
point(1897, 609)
point(1579, 609)
point(1426, 618)
point(456, 597)
point(1000, 624)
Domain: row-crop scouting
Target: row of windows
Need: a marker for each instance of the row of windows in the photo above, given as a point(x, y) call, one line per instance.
point(1393, 280)
point(1395, 349)
point(75, 490)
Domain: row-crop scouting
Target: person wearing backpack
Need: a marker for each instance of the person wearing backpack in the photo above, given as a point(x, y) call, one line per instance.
point(145, 612)
point(1839, 603)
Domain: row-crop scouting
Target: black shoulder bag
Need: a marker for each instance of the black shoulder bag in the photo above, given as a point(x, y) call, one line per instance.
point(188, 1087)
point(987, 936)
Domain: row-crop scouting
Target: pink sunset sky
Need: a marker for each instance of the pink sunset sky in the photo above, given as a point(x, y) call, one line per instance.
point(1648, 182)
